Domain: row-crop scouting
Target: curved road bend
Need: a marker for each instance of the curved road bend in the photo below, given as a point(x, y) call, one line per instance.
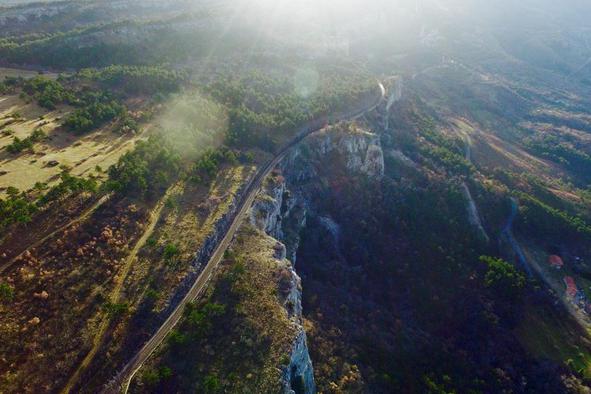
point(123, 379)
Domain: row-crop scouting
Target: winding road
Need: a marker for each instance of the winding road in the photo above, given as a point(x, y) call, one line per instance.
point(123, 379)
point(473, 214)
point(507, 232)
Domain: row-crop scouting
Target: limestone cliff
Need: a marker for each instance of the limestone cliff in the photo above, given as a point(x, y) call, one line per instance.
point(266, 214)
point(359, 150)
point(281, 210)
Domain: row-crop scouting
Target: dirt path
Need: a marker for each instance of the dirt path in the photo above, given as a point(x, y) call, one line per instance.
point(473, 214)
point(115, 295)
point(79, 219)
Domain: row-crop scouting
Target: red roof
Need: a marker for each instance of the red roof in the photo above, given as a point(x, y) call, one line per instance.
point(571, 286)
point(555, 261)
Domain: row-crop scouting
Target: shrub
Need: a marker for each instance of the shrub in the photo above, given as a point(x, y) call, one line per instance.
point(68, 184)
point(176, 338)
point(116, 309)
point(151, 377)
point(19, 145)
point(201, 318)
point(152, 294)
point(16, 208)
point(6, 292)
point(211, 384)
point(503, 277)
point(170, 250)
point(165, 373)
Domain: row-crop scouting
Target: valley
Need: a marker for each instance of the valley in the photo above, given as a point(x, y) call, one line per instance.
point(295, 197)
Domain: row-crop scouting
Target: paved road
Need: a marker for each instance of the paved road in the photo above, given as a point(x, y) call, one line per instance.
point(115, 295)
point(123, 379)
point(508, 233)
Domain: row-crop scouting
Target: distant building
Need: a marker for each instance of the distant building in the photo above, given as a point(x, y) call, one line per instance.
point(555, 261)
point(571, 286)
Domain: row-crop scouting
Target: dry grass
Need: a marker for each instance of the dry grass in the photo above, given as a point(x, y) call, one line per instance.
point(189, 221)
point(188, 218)
point(42, 338)
point(246, 347)
point(82, 154)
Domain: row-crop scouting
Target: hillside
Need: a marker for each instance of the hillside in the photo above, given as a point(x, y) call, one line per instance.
point(295, 197)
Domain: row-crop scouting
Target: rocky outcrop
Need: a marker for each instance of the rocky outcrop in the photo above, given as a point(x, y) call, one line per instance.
point(281, 213)
point(266, 214)
point(360, 151)
point(298, 377)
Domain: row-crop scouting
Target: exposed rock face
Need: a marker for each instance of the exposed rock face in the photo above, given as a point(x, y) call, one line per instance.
point(360, 150)
point(281, 212)
point(374, 161)
point(266, 214)
point(298, 378)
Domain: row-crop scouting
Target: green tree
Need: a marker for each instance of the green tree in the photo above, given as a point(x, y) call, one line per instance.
point(211, 384)
point(503, 277)
point(6, 293)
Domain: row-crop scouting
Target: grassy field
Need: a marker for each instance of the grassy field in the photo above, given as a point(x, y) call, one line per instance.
point(555, 337)
point(82, 154)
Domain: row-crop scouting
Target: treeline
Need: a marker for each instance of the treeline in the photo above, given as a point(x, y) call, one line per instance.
point(555, 149)
point(444, 152)
point(449, 160)
point(104, 45)
point(47, 92)
point(10, 84)
point(258, 106)
point(146, 170)
point(543, 221)
point(19, 207)
point(16, 208)
point(96, 108)
point(19, 145)
point(137, 79)
point(543, 213)
point(154, 164)
point(63, 49)
point(262, 107)
point(207, 166)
